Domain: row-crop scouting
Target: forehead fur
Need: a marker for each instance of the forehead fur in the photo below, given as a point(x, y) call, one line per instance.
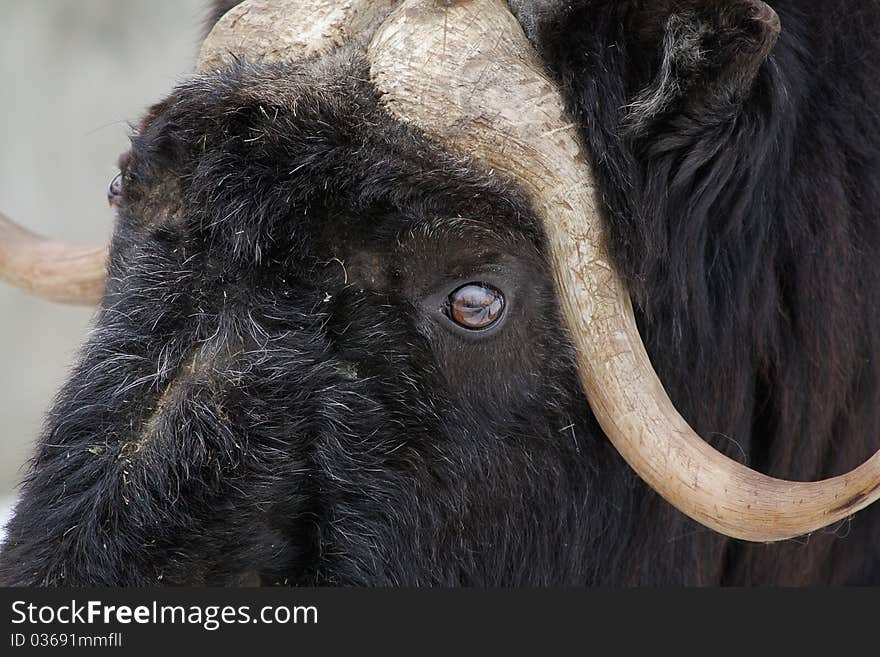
point(255, 154)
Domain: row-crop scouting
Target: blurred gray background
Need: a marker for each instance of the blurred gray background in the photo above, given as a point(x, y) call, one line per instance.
point(73, 74)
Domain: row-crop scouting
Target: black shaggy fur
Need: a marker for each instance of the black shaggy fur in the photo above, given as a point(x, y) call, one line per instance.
point(273, 394)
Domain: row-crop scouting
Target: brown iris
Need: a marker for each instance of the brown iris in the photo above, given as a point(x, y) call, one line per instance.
point(476, 306)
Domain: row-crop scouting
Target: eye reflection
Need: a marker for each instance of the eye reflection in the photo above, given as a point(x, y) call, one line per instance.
point(114, 191)
point(476, 306)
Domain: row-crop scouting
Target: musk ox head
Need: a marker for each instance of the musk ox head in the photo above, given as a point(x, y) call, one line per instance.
point(358, 289)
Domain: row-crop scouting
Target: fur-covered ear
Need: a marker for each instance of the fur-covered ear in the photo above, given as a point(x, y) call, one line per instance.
point(698, 54)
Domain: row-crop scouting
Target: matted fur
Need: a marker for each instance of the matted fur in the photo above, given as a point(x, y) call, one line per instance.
point(269, 395)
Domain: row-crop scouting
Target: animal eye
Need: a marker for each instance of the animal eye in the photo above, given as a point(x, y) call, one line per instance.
point(114, 191)
point(475, 306)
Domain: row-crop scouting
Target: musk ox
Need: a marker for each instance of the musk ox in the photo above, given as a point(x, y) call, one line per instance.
point(373, 259)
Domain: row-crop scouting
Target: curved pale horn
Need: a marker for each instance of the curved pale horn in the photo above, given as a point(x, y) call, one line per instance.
point(463, 72)
point(54, 270)
point(288, 30)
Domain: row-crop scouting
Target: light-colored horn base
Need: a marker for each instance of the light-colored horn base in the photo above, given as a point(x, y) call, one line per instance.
point(288, 30)
point(54, 270)
point(464, 73)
